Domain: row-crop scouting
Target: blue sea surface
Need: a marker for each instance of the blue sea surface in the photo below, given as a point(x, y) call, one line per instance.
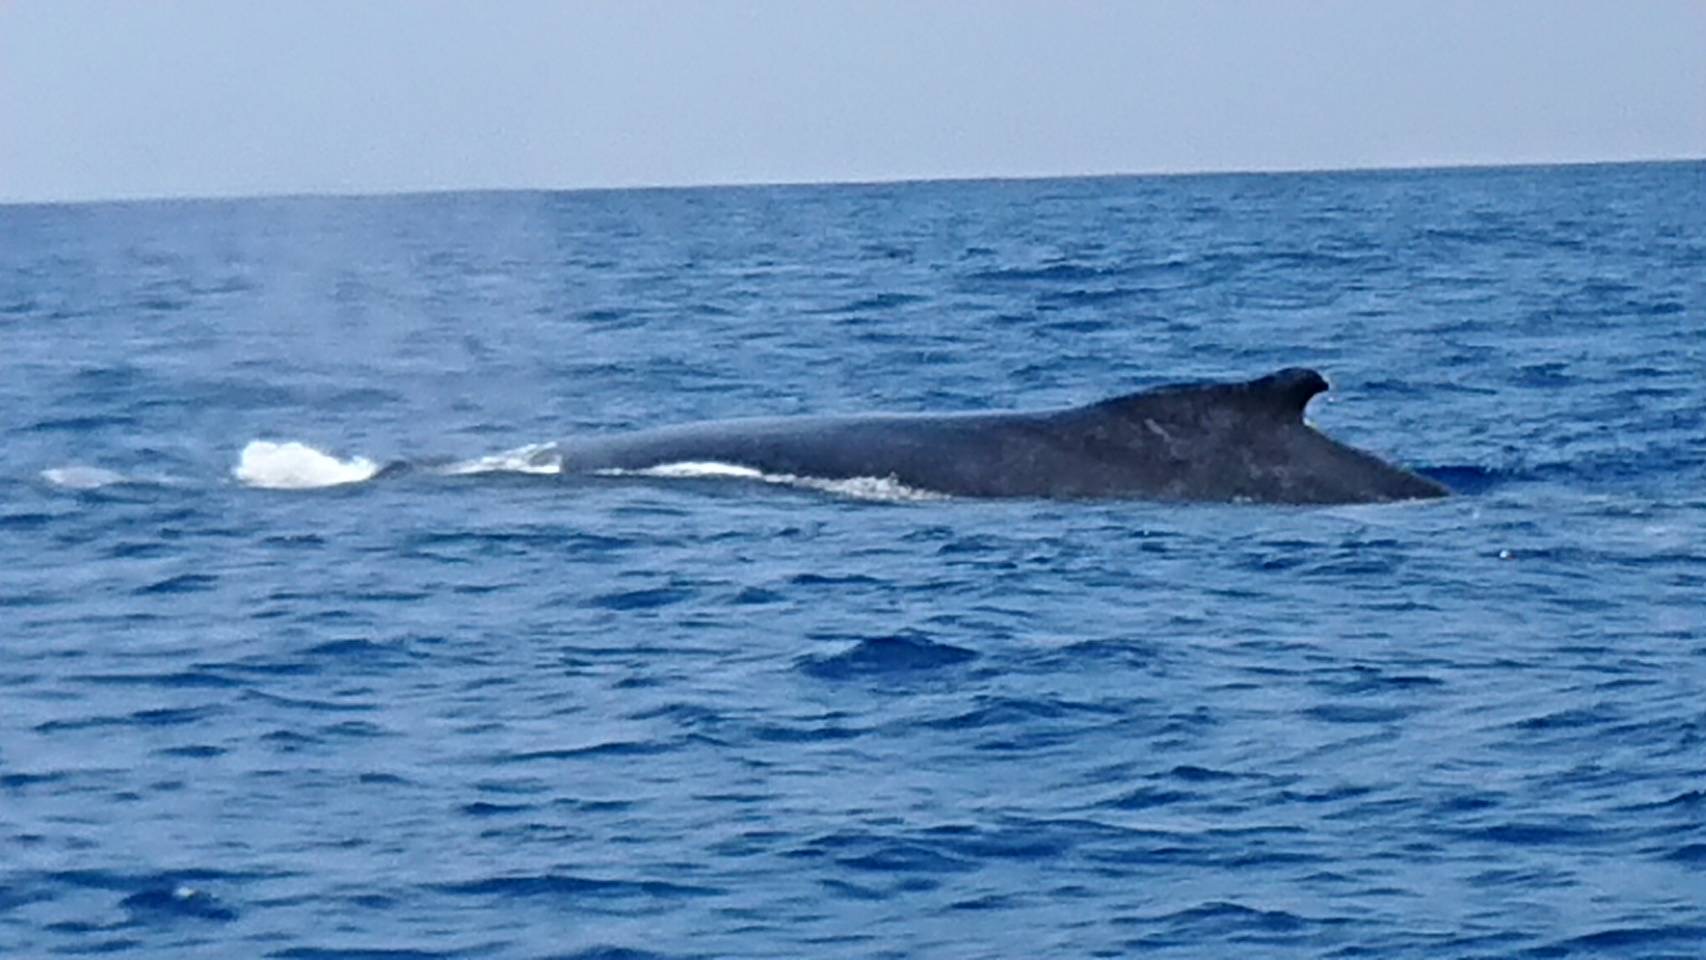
point(491, 712)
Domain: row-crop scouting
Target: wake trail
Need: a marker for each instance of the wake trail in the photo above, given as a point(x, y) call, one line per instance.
point(78, 477)
point(293, 465)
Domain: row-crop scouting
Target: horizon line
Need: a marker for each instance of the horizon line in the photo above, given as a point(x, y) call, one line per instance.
point(760, 183)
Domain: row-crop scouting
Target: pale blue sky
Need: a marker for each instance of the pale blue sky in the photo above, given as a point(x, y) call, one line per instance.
point(220, 97)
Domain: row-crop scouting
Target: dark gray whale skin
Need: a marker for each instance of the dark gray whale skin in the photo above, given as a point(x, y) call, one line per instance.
point(1218, 442)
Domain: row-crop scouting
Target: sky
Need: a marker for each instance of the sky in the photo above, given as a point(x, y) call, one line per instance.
point(104, 99)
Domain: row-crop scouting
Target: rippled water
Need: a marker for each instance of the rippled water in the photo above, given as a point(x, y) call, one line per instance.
point(491, 712)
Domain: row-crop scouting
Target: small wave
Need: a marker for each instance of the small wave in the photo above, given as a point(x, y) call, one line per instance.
point(542, 459)
point(904, 653)
point(574, 886)
point(885, 489)
point(297, 466)
point(82, 478)
point(1468, 478)
point(1064, 272)
point(178, 901)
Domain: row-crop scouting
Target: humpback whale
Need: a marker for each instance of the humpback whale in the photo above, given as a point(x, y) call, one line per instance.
point(1218, 442)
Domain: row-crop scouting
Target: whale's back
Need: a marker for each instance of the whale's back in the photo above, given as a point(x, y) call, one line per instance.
point(1243, 441)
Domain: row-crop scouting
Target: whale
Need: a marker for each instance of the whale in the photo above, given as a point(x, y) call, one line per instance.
point(1225, 442)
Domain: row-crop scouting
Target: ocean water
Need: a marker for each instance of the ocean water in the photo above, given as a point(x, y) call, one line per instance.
point(261, 698)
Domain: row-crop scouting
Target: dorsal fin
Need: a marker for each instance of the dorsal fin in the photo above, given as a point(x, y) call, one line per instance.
point(1282, 395)
point(1288, 391)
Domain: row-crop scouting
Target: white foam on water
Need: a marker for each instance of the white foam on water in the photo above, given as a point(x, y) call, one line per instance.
point(692, 469)
point(297, 466)
point(884, 489)
point(541, 459)
point(76, 477)
point(866, 488)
